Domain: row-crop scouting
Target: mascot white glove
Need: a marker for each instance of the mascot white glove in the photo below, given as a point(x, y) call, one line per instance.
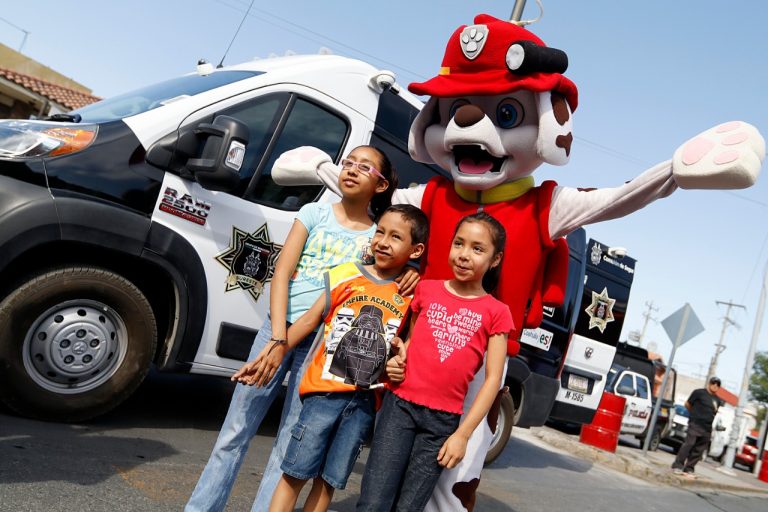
point(728, 156)
point(300, 166)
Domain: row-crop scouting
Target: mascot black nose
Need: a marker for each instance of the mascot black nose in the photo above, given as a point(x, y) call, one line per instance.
point(467, 115)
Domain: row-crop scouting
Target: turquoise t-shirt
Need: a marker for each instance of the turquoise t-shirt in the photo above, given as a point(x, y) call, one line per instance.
point(328, 244)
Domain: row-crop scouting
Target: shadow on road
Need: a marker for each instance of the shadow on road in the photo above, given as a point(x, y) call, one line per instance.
point(522, 454)
point(37, 451)
point(167, 400)
point(484, 502)
point(34, 451)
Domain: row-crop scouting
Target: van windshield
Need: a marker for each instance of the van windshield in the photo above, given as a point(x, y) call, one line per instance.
point(157, 95)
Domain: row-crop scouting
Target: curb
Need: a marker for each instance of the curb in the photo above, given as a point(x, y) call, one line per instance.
point(644, 469)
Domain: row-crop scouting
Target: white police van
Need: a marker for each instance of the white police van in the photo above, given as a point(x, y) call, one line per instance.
point(143, 229)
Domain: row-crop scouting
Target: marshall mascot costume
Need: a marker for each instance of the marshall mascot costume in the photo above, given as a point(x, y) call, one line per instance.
point(498, 108)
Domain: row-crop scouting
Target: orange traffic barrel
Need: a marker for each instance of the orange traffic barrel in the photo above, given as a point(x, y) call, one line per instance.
point(763, 474)
point(604, 430)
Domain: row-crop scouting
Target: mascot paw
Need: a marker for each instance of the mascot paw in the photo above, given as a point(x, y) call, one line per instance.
point(728, 156)
point(299, 166)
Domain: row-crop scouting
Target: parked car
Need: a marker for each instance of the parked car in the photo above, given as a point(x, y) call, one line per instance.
point(721, 433)
point(747, 454)
point(679, 428)
point(637, 360)
point(144, 229)
point(635, 388)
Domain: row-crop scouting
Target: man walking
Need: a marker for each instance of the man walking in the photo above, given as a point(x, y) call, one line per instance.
point(702, 405)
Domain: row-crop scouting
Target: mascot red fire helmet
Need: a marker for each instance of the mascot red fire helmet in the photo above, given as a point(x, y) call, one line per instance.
point(493, 57)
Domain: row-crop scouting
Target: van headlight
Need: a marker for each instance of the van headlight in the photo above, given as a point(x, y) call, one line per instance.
point(34, 139)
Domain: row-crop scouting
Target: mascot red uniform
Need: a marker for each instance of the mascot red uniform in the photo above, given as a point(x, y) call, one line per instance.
point(498, 108)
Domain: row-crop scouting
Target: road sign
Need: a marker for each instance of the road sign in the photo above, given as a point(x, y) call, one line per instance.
point(682, 325)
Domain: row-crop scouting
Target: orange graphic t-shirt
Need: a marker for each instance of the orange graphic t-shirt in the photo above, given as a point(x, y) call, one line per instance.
point(361, 316)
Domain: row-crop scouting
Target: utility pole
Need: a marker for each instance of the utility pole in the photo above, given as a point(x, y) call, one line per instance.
point(730, 453)
point(647, 315)
point(720, 347)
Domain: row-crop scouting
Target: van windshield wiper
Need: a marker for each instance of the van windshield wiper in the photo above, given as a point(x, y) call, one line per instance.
point(70, 118)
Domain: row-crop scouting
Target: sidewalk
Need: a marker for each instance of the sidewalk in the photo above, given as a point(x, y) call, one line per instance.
point(656, 467)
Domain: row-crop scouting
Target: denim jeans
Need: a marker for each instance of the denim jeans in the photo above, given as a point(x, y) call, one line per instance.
point(402, 468)
point(690, 453)
point(328, 437)
point(246, 411)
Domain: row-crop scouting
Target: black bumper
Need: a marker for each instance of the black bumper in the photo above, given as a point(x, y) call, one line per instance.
point(536, 395)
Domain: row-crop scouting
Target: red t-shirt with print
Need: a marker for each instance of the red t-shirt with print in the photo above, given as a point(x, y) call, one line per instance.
point(448, 344)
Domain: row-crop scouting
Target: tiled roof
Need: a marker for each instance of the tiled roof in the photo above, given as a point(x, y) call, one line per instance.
point(65, 96)
point(727, 397)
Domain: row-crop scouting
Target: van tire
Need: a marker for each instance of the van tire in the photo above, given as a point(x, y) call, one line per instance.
point(655, 440)
point(74, 343)
point(503, 428)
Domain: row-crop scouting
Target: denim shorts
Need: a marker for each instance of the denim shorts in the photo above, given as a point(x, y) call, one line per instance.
point(329, 436)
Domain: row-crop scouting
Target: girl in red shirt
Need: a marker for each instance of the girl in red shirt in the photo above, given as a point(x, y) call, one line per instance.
point(454, 325)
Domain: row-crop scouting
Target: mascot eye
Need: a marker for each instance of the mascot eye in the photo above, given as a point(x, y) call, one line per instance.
point(509, 113)
point(456, 105)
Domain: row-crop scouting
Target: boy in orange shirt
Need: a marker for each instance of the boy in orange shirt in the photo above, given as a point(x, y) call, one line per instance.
point(362, 311)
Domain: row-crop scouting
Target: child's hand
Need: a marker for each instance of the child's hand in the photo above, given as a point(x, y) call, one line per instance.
point(396, 364)
point(246, 370)
point(452, 451)
point(407, 281)
point(261, 370)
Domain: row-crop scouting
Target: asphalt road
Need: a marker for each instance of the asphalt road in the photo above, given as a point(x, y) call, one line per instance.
point(147, 454)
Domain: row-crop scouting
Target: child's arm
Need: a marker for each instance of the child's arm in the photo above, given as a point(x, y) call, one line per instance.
point(407, 280)
point(284, 269)
point(396, 364)
point(261, 370)
point(455, 446)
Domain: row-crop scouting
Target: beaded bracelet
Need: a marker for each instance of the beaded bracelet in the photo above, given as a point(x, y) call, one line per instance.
point(275, 343)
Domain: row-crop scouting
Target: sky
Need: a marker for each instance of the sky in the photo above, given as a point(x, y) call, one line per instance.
point(650, 74)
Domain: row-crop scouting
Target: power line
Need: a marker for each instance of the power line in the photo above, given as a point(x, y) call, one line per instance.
point(614, 153)
point(26, 33)
point(325, 39)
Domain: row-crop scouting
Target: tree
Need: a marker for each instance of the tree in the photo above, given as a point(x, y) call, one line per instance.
point(758, 382)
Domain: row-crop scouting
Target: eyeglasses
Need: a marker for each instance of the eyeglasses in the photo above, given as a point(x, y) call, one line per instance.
point(366, 168)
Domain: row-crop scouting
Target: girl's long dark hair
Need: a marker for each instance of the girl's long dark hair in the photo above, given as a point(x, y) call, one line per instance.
point(383, 200)
point(499, 240)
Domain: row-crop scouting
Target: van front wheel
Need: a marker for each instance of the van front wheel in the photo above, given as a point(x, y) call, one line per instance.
point(74, 343)
point(503, 427)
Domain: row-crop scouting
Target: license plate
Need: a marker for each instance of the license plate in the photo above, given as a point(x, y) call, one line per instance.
point(539, 338)
point(578, 383)
point(572, 395)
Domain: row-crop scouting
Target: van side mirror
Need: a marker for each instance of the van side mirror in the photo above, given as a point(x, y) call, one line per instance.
point(222, 149)
point(210, 153)
point(720, 428)
point(626, 390)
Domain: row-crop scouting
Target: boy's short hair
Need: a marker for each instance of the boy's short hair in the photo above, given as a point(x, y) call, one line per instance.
point(416, 218)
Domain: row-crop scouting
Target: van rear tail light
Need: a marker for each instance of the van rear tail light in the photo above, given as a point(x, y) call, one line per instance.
point(34, 139)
